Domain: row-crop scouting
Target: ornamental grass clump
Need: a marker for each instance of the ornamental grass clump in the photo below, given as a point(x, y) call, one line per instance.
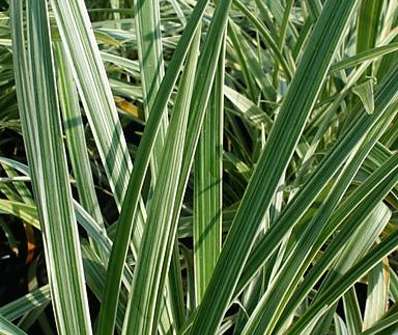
point(208, 167)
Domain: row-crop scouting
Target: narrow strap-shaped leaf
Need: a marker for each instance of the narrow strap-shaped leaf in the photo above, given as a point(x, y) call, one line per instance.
point(36, 314)
point(9, 191)
point(388, 62)
point(92, 228)
point(129, 209)
point(365, 55)
point(386, 96)
point(368, 23)
point(96, 273)
point(363, 200)
point(131, 66)
point(275, 299)
point(26, 303)
point(393, 286)
point(75, 138)
point(267, 37)
point(377, 296)
point(285, 23)
point(340, 326)
point(143, 309)
point(352, 311)
point(47, 159)
point(236, 37)
point(357, 207)
point(283, 31)
point(337, 101)
point(207, 68)
point(90, 77)
point(175, 288)
point(359, 244)
point(27, 213)
point(150, 52)
point(335, 291)
point(390, 321)
point(207, 220)
point(315, 8)
point(252, 67)
point(272, 163)
point(8, 328)
point(80, 46)
point(20, 187)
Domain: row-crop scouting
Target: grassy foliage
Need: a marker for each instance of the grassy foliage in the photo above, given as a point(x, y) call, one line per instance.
point(204, 167)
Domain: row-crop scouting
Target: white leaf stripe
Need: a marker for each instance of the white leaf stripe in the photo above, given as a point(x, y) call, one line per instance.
point(49, 170)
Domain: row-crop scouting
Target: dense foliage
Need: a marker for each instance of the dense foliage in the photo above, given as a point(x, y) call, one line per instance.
point(198, 167)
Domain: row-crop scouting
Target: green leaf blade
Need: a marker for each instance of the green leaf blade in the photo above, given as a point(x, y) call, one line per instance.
point(49, 169)
point(277, 153)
